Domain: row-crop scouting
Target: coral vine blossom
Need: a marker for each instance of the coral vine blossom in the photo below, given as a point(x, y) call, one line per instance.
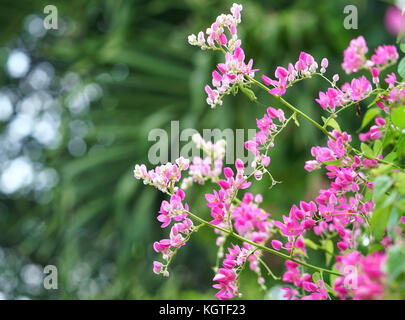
point(342, 221)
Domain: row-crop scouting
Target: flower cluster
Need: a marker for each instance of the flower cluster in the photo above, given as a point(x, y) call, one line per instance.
point(357, 90)
point(227, 276)
point(163, 177)
point(354, 57)
point(336, 149)
point(303, 68)
point(232, 72)
point(179, 231)
point(263, 138)
point(216, 35)
point(363, 278)
point(316, 291)
point(220, 202)
point(173, 209)
point(209, 167)
point(341, 204)
point(251, 221)
point(375, 131)
point(340, 212)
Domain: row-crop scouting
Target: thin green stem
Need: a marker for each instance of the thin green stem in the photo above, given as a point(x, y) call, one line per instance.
point(257, 245)
point(269, 272)
point(320, 127)
point(290, 106)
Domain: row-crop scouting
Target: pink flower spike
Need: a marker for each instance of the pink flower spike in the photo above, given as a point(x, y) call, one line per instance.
point(403, 219)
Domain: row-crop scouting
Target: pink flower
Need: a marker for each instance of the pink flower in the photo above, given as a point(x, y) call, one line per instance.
point(364, 276)
point(342, 245)
point(375, 72)
point(386, 242)
point(359, 88)
point(157, 267)
point(394, 20)
point(311, 165)
point(162, 246)
point(280, 88)
point(267, 81)
point(324, 63)
point(239, 164)
point(281, 73)
point(227, 276)
point(391, 79)
point(354, 55)
point(383, 54)
point(375, 133)
point(217, 205)
point(380, 121)
point(291, 227)
point(290, 294)
point(331, 99)
point(327, 211)
point(173, 209)
point(276, 244)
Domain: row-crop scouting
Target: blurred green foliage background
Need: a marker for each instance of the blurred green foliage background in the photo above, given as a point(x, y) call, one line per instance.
point(76, 107)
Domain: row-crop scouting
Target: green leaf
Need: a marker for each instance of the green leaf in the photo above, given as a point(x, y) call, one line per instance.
point(389, 200)
point(400, 183)
point(402, 47)
point(391, 156)
point(249, 93)
point(400, 146)
point(311, 244)
point(379, 222)
point(295, 119)
point(316, 276)
point(399, 36)
point(395, 263)
point(381, 185)
point(377, 148)
point(382, 169)
point(368, 116)
point(366, 150)
point(398, 116)
point(392, 221)
point(330, 122)
point(401, 68)
point(328, 246)
point(333, 277)
point(337, 162)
